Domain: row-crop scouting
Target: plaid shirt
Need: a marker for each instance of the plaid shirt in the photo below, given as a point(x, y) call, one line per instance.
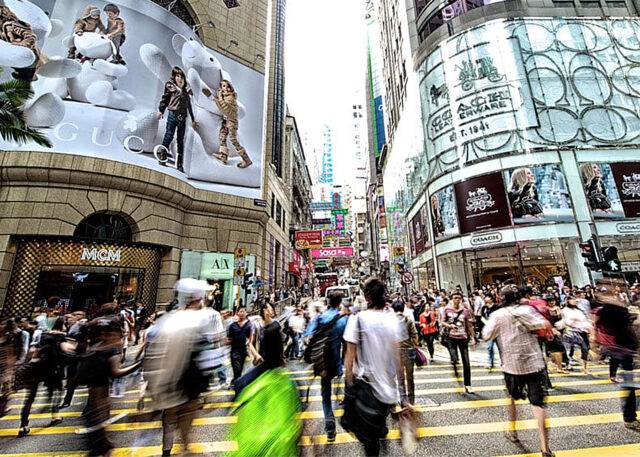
point(512, 327)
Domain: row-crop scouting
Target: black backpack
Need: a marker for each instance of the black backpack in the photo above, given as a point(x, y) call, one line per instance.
point(318, 352)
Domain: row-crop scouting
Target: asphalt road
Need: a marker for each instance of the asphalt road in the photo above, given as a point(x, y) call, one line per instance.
point(584, 411)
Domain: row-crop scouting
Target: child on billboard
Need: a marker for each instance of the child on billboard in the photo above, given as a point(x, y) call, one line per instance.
point(89, 22)
point(177, 100)
point(227, 102)
point(116, 31)
point(15, 31)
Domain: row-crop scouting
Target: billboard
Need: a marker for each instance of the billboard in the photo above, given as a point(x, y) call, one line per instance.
point(128, 81)
point(538, 194)
point(309, 239)
point(417, 230)
point(327, 253)
point(444, 216)
point(613, 190)
point(482, 203)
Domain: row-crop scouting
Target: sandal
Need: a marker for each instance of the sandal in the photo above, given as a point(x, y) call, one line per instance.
point(549, 454)
point(512, 436)
point(56, 421)
point(24, 431)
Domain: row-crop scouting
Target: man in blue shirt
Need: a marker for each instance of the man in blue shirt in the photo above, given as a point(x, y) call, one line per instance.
point(333, 302)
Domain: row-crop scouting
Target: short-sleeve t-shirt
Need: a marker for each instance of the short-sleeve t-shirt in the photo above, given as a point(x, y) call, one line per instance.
point(239, 336)
point(377, 335)
point(459, 319)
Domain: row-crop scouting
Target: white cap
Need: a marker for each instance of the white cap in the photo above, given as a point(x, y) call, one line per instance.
point(192, 289)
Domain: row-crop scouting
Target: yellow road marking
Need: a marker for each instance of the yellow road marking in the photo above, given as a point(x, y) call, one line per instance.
point(306, 415)
point(626, 450)
point(423, 432)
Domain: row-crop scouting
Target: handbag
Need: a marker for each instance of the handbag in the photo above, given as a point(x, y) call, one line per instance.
point(421, 359)
point(364, 415)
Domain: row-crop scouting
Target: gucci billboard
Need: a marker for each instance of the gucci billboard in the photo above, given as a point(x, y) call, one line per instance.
point(530, 83)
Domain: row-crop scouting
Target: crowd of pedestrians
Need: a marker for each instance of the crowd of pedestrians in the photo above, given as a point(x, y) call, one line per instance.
point(179, 355)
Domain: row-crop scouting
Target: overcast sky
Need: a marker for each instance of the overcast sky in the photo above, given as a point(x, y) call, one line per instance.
point(325, 70)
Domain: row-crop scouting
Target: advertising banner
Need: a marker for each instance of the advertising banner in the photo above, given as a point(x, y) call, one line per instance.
point(613, 190)
point(482, 203)
point(627, 177)
point(129, 82)
point(416, 228)
point(309, 239)
point(538, 194)
point(424, 214)
point(444, 215)
point(327, 253)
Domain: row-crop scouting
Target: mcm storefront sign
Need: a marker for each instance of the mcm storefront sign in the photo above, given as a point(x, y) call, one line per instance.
point(100, 255)
point(476, 92)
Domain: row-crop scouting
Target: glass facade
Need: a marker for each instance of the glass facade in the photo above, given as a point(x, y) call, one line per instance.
point(530, 130)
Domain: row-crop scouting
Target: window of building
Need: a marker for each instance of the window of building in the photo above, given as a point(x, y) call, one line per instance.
point(562, 4)
point(590, 4)
point(278, 88)
point(179, 9)
point(273, 199)
point(616, 4)
point(284, 219)
point(278, 214)
point(104, 226)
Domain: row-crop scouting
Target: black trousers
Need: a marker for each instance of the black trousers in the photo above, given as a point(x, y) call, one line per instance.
point(456, 345)
point(237, 363)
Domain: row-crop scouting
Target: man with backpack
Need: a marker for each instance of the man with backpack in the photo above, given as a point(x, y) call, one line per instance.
point(324, 336)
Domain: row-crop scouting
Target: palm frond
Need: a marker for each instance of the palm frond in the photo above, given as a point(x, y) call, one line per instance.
point(15, 91)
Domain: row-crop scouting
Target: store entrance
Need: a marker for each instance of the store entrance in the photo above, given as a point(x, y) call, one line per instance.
point(63, 289)
point(542, 263)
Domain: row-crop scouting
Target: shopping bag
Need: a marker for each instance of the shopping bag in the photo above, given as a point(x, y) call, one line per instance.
point(421, 359)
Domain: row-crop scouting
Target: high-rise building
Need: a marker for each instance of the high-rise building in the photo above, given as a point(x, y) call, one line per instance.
point(530, 121)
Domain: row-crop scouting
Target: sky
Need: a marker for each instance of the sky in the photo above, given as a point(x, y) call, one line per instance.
point(325, 71)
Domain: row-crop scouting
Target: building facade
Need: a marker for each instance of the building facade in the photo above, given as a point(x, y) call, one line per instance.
point(530, 121)
point(102, 216)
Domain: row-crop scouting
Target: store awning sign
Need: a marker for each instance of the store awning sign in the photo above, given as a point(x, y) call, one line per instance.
point(100, 255)
point(309, 239)
point(328, 253)
point(482, 239)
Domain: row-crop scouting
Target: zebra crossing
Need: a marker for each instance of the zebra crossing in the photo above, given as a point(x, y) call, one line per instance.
point(584, 420)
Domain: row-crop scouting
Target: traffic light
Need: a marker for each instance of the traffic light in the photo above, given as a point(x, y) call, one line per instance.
point(247, 282)
point(590, 253)
point(611, 262)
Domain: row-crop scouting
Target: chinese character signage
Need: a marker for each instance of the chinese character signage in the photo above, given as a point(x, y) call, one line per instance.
point(309, 239)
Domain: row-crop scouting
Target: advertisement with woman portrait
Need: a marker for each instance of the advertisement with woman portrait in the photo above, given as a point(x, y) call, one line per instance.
point(612, 190)
point(126, 80)
point(538, 194)
point(444, 214)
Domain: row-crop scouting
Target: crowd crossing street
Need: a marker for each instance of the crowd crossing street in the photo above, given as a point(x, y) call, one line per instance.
point(584, 419)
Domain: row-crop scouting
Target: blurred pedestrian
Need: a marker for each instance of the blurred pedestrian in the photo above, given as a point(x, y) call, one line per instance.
point(457, 321)
point(523, 364)
point(332, 324)
point(238, 335)
point(371, 362)
point(408, 342)
point(618, 341)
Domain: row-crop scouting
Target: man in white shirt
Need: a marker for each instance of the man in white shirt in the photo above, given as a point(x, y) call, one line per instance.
point(372, 359)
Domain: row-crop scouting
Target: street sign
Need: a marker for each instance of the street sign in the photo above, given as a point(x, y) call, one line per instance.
point(308, 239)
point(407, 277)
point(398, 251)
point(238, 257)
point(238, 276)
